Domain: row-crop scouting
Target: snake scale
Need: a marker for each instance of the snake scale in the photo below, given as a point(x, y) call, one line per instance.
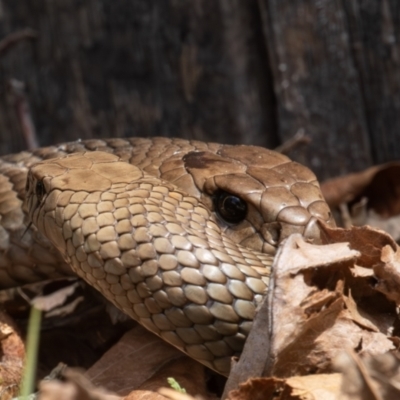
point(180, 235)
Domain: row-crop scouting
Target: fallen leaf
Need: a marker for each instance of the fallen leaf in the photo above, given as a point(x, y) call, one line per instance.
point(75, 387)
point(309, 323)
point(257, 389)
point(368, 241)
point(12, 358)
point(320, 387)
point(380, 185)
point(317, 305)
point(142, 361)
point(370, 197)
point(172, 394)
point(55, 299)
point(369, 377)
point(144, 395)
point(388, 274)
point(312, 387)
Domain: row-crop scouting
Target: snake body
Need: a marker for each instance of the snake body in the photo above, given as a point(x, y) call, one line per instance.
point(148, 223)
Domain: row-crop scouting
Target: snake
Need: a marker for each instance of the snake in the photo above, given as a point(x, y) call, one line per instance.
point(178, 234)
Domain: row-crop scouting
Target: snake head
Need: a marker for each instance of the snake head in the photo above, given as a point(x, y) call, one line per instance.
point(259, 196)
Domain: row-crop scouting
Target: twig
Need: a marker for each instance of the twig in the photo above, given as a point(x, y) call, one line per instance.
point(345, 215)
point(13, 38)
point(298, 139)
point(24, 113)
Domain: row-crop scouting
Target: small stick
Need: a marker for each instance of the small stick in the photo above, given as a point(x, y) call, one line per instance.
point(24, 113)
point(298, 139)
point(13, 38)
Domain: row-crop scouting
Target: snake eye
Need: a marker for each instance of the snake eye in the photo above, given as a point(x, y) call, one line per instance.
point(230, 208)
point(40, 191)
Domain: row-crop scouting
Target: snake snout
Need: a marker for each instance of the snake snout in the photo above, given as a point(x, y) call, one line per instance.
point(275, 232)
point(304, 219)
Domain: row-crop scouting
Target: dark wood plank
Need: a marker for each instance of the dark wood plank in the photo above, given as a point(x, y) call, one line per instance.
point(132, 67)
point(375, 34)
point(316, 83)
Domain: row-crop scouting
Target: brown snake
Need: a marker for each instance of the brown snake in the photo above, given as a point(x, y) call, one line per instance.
point(180, 235)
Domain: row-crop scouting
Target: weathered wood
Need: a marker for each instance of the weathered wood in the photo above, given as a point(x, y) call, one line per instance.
point(175, 68)
point(316, 83)
point(375, 33)
point(224, 70)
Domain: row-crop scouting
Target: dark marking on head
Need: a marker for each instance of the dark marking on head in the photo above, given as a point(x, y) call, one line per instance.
point(202, 159)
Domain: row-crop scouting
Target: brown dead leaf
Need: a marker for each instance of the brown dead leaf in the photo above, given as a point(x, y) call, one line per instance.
point(370, 197)
point(350, 313)
point(355, 314)
point(55, 299)
point(380, 185)
point(312, 387)
point(256, 389)
point(376, 269)
point(388, 274)
point(144, 395)
point(368, 241)
point(317, 305)
point(369, 377)
point(172, 394)
point(187, 372)
point(75, 387)
point(308, 323)
point(361, 272)
point(390, 225)
point(141, 360)
point(12, 358)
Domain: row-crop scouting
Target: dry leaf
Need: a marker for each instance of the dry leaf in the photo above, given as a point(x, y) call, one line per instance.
point(257, 389)
point(312, 387)
point(75, 387)
point(293, 314)
point(369, 377)
point(368, 241)
point(370, 197)
point(318, 304)
point(144, 395)
point(55, 299)
point(388, 274)
point(390, 225)
point(172, 394)
point(141, 360)
point(352, 315)
point(12, 358)
point(380, 185)
point(309, 323)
